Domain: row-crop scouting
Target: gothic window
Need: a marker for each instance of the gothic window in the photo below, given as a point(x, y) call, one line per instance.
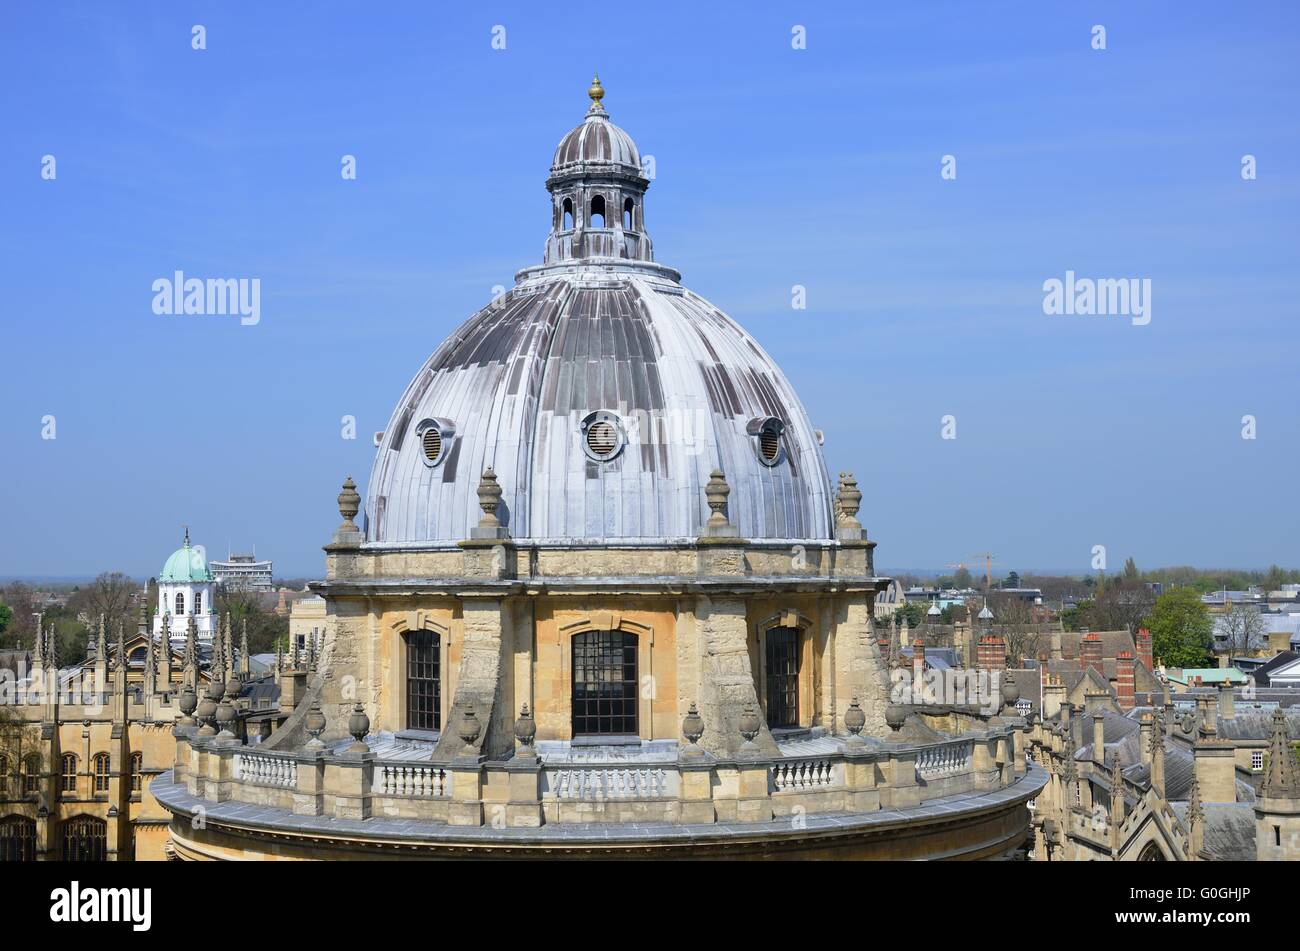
point(101, 762)
point(85, 839)
point(782, 657)
point(423, 681)
point(567, 211)
point(68, 783)
point(604, 683)
point(17, 839)
point(180, 603)
point(597, 216)
point(137, 769)
point(629, 208)
point(31, 774)
point(1151, 853)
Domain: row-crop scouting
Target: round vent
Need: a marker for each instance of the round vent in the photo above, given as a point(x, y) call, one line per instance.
point(434, 437)
point(603, 436)
point(432, 443)
point(602, 439)
point(767, 431)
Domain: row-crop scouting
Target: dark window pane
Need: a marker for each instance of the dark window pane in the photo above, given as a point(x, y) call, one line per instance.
point(423, 681)
point(604, 683)
point(782, 677)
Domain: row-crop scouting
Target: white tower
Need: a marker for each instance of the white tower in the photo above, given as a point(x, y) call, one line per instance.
point(186, 589)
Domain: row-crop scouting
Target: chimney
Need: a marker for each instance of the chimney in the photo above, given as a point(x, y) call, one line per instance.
point(1056, 645)
point(918, 666)
point(1099, 738)
point(1226, 700)
point(1090, 653)
point(991, 653)
point(1144, 648)
point(1146, 727)
point(1054, 698)
point(1124, 685)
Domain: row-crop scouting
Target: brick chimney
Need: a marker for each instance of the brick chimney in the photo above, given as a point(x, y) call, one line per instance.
point(918, 663)
point(991, 653)
point(1144, 648)
point(1124, 684)
point(1090, 653)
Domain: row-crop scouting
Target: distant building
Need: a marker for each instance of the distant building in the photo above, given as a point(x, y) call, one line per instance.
point(185, 591)
point(243, 573)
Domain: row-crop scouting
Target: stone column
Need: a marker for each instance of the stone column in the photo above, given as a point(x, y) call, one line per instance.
point(726, 686)
point(309, 794)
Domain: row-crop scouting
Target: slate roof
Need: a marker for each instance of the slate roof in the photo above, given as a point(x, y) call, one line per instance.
point(1229, 830)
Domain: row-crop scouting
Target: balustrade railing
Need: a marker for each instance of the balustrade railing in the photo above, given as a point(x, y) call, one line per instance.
point(262, 769)
point(944, 760)
point(803, 774)
point(417, 782)
point(597, 784)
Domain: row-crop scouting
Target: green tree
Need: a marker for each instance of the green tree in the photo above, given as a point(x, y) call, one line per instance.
point(1180, 628)
point(1131, 572)
point(962, 579)
point(6, 615)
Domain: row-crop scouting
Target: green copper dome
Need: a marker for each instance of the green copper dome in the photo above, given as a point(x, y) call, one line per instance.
point(186, 564)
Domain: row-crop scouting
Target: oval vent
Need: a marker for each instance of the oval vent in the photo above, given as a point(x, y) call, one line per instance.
point(432, 443)
point(435, 437)
point(767, 432)
point(602, 436)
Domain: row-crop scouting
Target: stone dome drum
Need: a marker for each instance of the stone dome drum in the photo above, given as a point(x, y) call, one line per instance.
point(601, 392)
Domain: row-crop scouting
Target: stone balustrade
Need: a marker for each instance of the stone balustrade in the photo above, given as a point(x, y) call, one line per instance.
point(413, 780)
point(793, 775)
point(860, 777)
point(262, 769)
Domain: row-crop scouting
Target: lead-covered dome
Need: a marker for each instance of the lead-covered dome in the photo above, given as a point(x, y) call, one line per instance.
point(602, 394)
point(596, 140)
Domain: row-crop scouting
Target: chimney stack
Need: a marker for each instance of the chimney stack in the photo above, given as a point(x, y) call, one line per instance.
point(1090, 653)
point(918, 668)
point(1099, 738)
point(1124, 683)
point(1227, 708)
point(991, 653)
point(1144, 649)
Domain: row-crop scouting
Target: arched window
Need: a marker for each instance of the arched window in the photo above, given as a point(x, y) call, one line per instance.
point(604, 683)
point(597, 217)
point(101, 763)
point(782, 667)
point(198, 602)
point(137, 772)
point(180, 603)
point(68, 783)
point(85, 839)
point(17, 839)
point(423, 681)
point(4, 776)
point(31, 774)
point(629, 207)
point(567, 214)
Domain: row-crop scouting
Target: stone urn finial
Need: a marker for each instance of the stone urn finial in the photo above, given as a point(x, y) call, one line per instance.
point(716, 492)
point(226, 716)
point(749, 724)
point(349, 505)
point(895, 716)
point(849, 500)
point(693, 729)
point(489, 499)
point(358, 727)
point(1010, 692)
point(314, 724)
point(469, 727)
point(854, 718)
point(525, 729)
point(188, 702)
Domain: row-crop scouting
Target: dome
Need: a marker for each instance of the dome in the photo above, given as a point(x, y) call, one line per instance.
point(597, 140)
point(601, 392)
point(186, 564)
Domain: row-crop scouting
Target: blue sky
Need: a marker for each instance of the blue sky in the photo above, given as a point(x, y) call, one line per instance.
point(775, 167)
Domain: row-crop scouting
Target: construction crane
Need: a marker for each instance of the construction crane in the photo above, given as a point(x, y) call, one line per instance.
point(988, 557)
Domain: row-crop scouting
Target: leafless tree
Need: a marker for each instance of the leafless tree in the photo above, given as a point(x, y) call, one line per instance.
point(1242, 628)
point(112, 596)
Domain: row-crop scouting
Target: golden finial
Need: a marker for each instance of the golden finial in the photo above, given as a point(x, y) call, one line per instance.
point(596, 92)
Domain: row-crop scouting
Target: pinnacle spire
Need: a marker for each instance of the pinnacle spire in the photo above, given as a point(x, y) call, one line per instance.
point(1280, 775)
